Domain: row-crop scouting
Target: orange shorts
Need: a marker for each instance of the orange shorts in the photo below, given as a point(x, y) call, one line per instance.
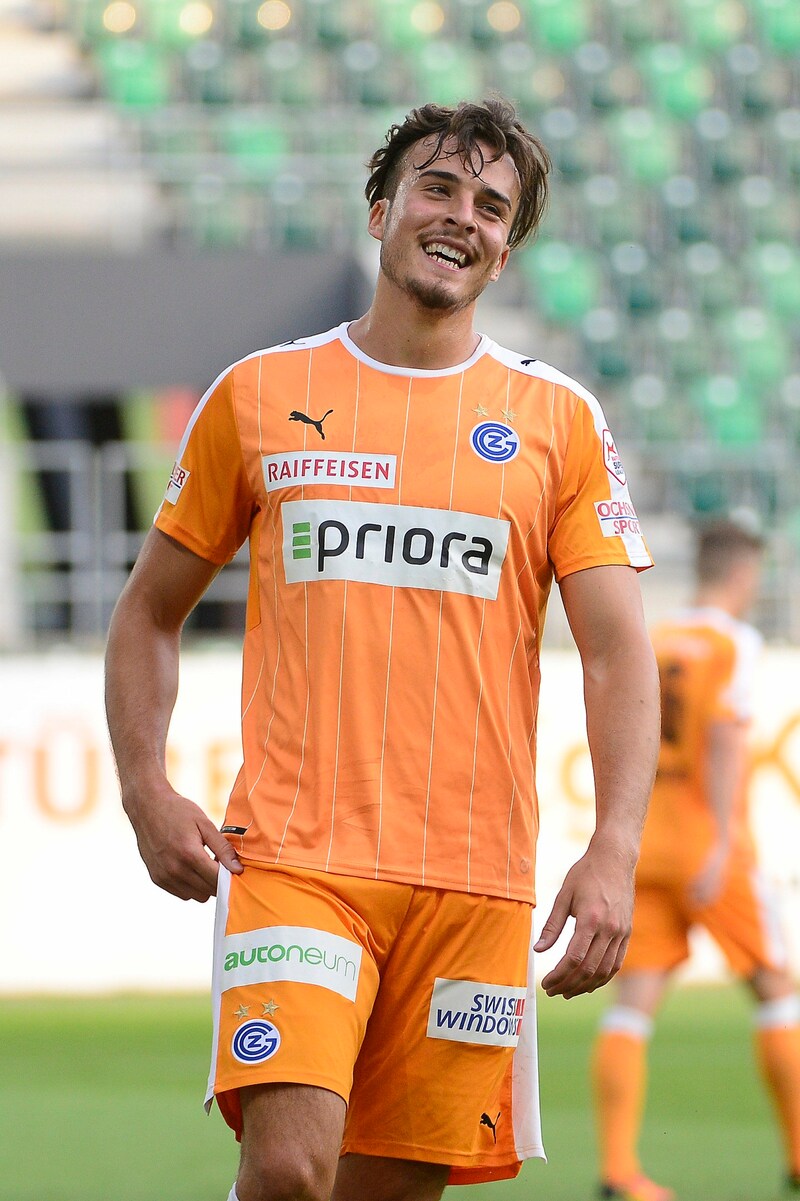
point(743, 920)
point(411, 1003)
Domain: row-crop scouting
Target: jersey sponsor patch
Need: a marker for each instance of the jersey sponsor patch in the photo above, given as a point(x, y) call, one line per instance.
point(177, 479)
point(463, 1011)
point(298, 953)
point(617, 518)
point(611, 458)
point(495, 442)
point(255, 1041)
point(347, 469)
point(395, 545)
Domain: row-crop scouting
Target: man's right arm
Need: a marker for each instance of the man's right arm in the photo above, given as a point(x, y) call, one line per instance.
point(141, 687)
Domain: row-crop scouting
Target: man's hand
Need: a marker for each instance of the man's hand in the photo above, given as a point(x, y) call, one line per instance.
point(707, 884)
point(173, 833)
point(598, 893)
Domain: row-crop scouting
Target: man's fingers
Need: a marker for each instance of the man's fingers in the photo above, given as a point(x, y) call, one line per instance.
point(551, 930)
point(220, 848)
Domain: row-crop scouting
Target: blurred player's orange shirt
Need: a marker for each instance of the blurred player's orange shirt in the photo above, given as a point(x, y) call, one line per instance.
point(706, 662)
point(405, 527)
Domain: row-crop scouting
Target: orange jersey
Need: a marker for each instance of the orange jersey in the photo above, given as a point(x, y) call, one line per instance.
point(706, 662)
point(404, 527)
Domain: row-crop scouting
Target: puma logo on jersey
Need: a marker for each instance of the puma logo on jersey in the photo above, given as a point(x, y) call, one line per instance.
point(295, 415)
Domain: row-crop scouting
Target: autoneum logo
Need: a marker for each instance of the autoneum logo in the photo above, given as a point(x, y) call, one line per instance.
point(438, 549)
point(299, 953)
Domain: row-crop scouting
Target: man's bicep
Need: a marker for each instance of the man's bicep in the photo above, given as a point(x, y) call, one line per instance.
point(604, 608)
point(168, 580)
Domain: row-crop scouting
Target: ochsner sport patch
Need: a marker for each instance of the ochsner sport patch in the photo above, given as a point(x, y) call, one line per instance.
point(617, 518)
point(464, 1011)
point(298, 953)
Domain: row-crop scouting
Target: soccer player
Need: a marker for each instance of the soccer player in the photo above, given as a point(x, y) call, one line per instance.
point(697, 864)
point(408, 489)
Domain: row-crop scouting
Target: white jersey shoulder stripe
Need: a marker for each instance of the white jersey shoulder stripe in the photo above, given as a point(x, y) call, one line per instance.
point(537, 369)
point(747, 643)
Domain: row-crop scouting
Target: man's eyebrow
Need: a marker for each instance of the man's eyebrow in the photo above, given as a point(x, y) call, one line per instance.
point(451, 177)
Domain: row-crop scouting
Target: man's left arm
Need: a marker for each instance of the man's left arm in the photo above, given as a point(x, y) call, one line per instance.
point(621, 693)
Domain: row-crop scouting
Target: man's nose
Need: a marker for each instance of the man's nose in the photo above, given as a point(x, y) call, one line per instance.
point(461, 212)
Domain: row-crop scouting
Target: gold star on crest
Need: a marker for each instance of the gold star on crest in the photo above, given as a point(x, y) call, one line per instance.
point(242, 1011)
point(268, 1008)
point(509, 415)
point(481, 411)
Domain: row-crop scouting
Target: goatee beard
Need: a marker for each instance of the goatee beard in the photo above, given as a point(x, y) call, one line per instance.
point(433, 296)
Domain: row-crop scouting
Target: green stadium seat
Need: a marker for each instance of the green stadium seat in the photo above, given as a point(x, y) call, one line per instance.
point(577, 147)
point(563, 281)
point(603, 81)
point(136, 74)
point(635, 277)
point(218, 215)
point(711, 25)
point(370, 76)
point(488, 25)
point(731, 414)
point(211, 75)
point(557, 25)
point(712, 278)
point(295, 75)
point(635, 22)
point(648, 143)
point(446, 72)
point(688, 214)
point(775, 268)
point(605, 218)
point(680, 82)
point(680, 344)
point(656, 410)
point(787, 142)
point(761, 84)
point(250, 24)
point(536, 82)
point(605, 347)
point(765, 212)
point(335, 23)
point(778, 22)
point(758, 346)
point(406, 24)
point(725, 151)
point(256, 143)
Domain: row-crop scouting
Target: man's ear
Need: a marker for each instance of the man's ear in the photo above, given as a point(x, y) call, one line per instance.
point(499, 265)
point(377, 219)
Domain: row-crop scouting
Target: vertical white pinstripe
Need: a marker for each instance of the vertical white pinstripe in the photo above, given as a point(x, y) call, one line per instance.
point(439, 640)
point(389, 649)
point(519, 636)
point(260, 453)
point(478, 649)
point(341, 648)
point(305, 642)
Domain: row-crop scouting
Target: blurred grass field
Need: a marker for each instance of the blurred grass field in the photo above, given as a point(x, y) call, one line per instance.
point(100, 1100)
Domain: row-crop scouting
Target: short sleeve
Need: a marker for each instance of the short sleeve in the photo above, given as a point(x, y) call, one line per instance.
point(594, 523)
point(734, 702)
point(209, 505)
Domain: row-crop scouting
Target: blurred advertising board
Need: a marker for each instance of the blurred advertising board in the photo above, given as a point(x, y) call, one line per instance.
point(78, 913)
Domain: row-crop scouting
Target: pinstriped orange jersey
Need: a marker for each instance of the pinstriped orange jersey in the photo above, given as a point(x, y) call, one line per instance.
point(706, 662)
point(404, 530)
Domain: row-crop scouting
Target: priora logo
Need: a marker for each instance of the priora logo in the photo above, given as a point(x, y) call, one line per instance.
point(395, 545)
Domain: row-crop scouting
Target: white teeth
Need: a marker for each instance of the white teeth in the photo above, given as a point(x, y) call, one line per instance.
point(451, 257)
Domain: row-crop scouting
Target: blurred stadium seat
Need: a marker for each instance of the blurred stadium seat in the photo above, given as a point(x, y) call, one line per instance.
point(669, 259)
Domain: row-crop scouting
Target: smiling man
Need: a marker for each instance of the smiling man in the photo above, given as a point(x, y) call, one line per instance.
point(374, 1026)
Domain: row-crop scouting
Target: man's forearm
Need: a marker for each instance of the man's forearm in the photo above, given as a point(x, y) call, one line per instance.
point(623, 726)
point(141, 689)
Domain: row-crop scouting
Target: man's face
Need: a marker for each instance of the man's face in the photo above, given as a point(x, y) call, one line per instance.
point(444, 233)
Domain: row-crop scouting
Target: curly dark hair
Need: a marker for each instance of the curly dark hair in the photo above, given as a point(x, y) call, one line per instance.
point(495, 123)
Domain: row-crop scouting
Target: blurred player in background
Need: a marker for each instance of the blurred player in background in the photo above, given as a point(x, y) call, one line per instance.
point(697, 864)
point(408, 489)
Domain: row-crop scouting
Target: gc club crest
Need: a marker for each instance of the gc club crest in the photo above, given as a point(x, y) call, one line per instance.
point(256, 1041)
point(495, 442)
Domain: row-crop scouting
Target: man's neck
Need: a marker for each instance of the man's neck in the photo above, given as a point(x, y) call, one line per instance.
point(718, 598)
point(398, 331)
